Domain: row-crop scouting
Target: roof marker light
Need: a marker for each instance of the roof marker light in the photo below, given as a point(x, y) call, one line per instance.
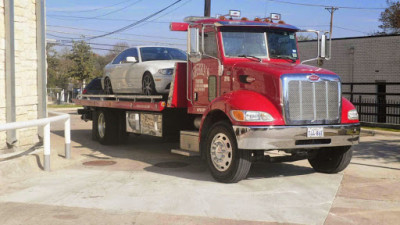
point(234, 13)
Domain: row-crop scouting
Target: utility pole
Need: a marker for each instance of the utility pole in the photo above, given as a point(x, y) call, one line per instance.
point(207, 8)
point(331, 10)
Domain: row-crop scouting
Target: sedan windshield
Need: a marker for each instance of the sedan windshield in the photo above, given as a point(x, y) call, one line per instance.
point(252, 43)
point(161, 53)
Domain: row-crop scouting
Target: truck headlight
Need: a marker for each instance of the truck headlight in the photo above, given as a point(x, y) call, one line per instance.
point(251, 116)
point(352, 115)
point(168, 71)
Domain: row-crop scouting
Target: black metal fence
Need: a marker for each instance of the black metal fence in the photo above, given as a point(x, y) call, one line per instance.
point(373, 101)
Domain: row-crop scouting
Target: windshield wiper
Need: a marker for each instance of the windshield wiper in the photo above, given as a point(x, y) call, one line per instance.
point(284, 57)
point(250, 56)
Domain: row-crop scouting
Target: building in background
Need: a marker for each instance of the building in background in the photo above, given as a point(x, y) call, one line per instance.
point(370, 59)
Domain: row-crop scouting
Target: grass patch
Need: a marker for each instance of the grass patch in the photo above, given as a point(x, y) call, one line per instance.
point(380, 128)
point(64, 106)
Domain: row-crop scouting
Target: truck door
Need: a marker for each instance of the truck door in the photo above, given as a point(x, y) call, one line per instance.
point(203, 68)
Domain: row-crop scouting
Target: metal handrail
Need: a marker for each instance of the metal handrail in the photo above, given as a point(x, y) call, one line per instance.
point(45, 122)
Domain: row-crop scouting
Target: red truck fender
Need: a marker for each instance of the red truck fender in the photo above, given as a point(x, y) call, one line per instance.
point(219, 109)
point(346, 107)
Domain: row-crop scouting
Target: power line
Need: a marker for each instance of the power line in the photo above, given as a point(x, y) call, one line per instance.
point(106, 14)
point(139, 35)
point(60, 17)
point(115, 38)
point(91, 10)
point(95, 48)
point(343, 28)
point(138, 22)
point(153, 20)
point(318, 5)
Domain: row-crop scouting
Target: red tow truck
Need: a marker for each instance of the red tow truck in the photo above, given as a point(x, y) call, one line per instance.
point(242, 94)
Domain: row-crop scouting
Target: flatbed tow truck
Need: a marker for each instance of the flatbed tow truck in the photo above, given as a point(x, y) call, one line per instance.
point(233, 109)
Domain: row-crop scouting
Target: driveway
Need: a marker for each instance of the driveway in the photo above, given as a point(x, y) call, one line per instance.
point(143, 183)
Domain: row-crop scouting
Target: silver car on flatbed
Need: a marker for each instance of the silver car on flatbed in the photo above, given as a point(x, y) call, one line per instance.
point(143, 70)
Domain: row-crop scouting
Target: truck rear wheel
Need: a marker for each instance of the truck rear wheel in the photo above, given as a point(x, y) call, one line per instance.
point(107, 127)
point(331, 160)
point(227, 163)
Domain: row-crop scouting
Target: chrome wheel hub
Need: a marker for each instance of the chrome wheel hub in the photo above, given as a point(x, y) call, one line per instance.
point(101, 125)
point(221, 152)
point(107, 86)
point(147, 85)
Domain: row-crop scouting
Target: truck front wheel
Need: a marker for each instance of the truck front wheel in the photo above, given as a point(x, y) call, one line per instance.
point(227, 163)
point(331, 160)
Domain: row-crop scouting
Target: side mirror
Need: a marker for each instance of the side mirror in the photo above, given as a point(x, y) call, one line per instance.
point(130, 59)
point(322, 54)
point(195, 57)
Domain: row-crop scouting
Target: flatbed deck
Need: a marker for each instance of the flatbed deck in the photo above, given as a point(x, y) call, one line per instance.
point(132, 102)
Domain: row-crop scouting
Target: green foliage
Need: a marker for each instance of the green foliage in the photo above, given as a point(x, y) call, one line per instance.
point(77, 63)
point(390, 18)
point(83, 61)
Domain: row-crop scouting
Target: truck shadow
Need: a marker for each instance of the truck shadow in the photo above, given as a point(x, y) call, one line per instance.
point(156, 152)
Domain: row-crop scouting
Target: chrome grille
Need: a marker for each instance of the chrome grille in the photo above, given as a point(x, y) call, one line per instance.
point(308, 102)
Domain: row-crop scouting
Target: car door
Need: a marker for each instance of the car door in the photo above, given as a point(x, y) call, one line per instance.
point(115, 73)
point(133, 77)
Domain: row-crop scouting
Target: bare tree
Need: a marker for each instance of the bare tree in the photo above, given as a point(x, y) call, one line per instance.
point(390, 18)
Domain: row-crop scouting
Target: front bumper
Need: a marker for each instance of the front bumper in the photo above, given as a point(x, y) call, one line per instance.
point(161, 82)
point(295, 137)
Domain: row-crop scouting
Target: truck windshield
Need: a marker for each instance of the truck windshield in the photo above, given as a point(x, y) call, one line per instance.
point(253, 42)
point(282, 44)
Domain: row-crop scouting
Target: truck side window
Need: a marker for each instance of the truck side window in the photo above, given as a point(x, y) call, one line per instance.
point(212, 88)
point(210, 44)
point(194, 40)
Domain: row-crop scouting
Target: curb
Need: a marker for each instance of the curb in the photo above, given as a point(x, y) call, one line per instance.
point(380, 132)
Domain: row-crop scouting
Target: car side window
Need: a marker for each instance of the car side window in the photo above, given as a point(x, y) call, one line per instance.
point(119, 58)
point(132, 52)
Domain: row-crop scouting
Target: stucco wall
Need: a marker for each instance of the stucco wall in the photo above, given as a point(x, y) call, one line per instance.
point(25, 70)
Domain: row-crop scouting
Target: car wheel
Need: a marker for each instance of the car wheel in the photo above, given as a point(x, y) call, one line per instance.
point(227, 163)
point(148, 85)
point(107, 86)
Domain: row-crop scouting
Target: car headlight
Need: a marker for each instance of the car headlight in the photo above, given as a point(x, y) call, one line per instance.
point(251, 116)
point(168, 71)
point(352, 115)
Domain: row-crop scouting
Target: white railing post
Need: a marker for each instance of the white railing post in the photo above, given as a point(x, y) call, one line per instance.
point(46, 145)
point(67, 135)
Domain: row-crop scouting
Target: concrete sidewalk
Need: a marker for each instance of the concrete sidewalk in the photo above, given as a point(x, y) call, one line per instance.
point(142, 183)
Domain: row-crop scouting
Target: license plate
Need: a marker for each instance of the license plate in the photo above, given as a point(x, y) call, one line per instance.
point(315, 132)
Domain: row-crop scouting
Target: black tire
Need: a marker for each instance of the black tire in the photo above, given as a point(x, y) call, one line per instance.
point(148, 85)
point(237, 164)
point(107, 86)
point(107, 128)
point(331, 160)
